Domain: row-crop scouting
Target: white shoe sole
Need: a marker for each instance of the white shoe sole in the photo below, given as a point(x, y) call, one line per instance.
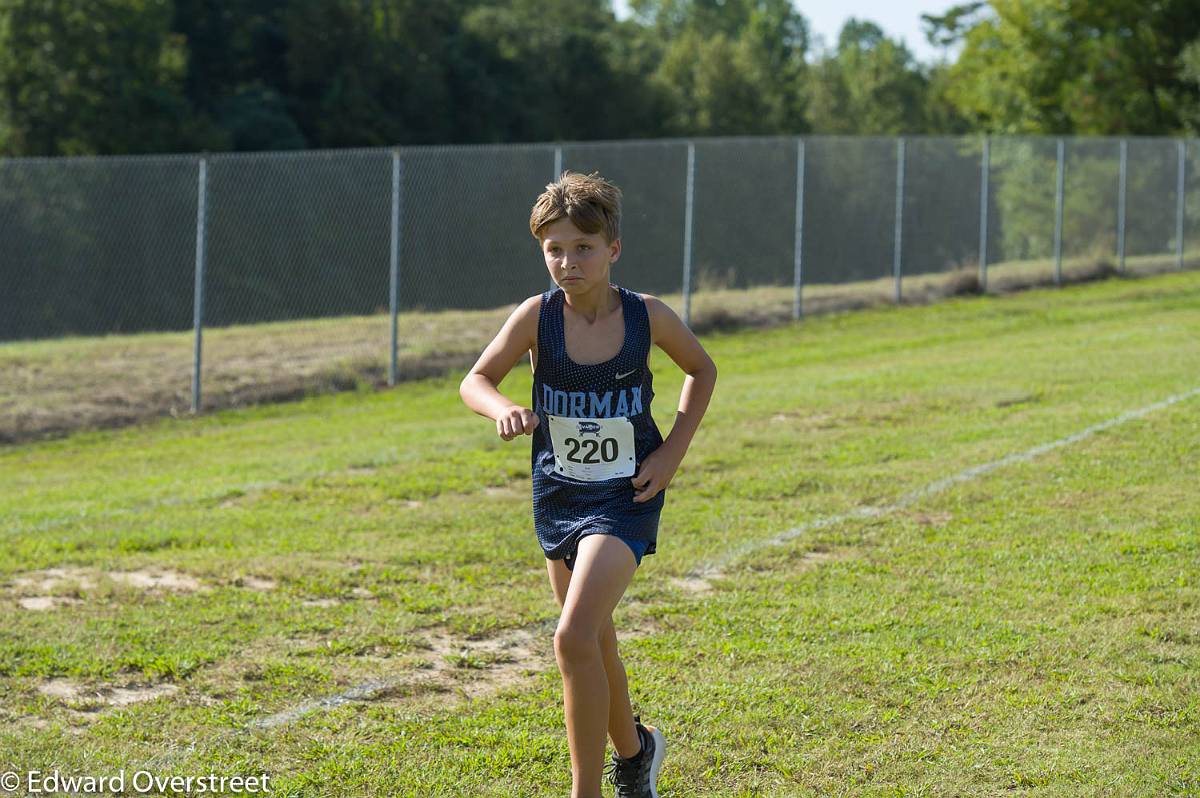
point(660, 750)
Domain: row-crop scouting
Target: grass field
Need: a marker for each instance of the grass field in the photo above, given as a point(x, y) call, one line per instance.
point(57, 386)
point(345, 592)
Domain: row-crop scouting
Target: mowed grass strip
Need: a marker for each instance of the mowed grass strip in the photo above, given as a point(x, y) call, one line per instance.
point(53, 387)
point(1031, 633)
point(408, 498)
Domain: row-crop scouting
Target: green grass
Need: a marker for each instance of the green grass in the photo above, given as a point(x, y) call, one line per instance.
point(1033, 631)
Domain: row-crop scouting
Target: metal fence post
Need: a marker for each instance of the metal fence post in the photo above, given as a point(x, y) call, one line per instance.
point(1058, 215)
point(984, 197)
point(798, 242)
point(198, 292)
point(394, 280)
point(899, 214)
point(687, 235)
point(557, 172)
point(1121, 183)
point(1180, 187)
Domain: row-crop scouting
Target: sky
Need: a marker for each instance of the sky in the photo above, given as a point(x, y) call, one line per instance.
point(898, 18)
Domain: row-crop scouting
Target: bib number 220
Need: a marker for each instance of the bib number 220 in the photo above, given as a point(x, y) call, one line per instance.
point(592, 449)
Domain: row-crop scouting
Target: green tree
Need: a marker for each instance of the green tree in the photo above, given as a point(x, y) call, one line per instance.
point(237, 78)
point(730, 66)
point(101, 77)
point(1069, 66)
point(555, 70)
point(869, 84)
point(941, 115)
point(1189, 111)
point(282, 74)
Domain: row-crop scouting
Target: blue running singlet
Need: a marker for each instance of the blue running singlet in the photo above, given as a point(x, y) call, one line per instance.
point(566, 507)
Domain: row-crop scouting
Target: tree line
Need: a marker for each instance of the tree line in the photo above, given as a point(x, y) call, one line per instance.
point(139, 76)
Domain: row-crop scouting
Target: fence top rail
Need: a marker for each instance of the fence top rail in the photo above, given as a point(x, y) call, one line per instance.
point(39, 160)
point(542, 146)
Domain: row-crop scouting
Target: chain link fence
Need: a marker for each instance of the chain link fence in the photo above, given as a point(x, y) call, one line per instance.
point(131, 287)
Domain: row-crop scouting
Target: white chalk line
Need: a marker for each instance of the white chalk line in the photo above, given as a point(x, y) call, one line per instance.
point(714, 568)
point(370, 689)
point(87, 515)
point(361, 692)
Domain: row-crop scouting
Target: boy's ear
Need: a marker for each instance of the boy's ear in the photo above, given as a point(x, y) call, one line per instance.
point(614, 250)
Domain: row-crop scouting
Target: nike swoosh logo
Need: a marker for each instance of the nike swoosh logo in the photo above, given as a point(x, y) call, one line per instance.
point(626, 374)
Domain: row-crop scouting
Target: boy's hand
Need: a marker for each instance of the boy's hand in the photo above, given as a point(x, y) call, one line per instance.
point(516, 421)
point(655, 473)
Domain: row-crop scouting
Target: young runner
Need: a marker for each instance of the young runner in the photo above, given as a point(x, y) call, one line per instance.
point(600, 467)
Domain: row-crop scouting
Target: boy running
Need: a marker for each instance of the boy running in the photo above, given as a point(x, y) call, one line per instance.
point(600, 467)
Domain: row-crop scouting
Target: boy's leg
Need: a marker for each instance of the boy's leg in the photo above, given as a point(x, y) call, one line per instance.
point(604, 566)
point(621, 728)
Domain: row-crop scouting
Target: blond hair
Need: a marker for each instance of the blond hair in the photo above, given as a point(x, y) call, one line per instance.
point(592, 203)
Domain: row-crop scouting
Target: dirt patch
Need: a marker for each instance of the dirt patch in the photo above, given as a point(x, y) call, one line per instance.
point(693, 583)
point(124, 696)
point(475, 668)
point(167, 580)
point(85, 701)
point(451, 669)
point(464, 669)
point(218, 680)
point(448, 670)
point(46, 602)
point(63, 689)
point(49, 579)
point(52, 588)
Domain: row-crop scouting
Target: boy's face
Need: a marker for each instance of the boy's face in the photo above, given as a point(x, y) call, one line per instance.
point(577, 261)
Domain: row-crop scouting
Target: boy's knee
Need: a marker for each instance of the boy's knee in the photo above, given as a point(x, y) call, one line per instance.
point(575, 641)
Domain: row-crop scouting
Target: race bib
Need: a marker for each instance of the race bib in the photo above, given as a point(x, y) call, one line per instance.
point(592, 449)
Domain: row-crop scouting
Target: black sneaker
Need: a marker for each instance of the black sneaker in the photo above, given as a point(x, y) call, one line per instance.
point(635, 778)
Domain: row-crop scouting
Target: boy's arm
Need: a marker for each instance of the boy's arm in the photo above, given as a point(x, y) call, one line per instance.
point(672, 336)
point(478, 389)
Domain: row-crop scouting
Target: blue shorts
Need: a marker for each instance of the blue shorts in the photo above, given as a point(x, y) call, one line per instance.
point(638, 546)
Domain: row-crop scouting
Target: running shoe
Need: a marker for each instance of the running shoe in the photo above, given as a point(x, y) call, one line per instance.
point(637, 777)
